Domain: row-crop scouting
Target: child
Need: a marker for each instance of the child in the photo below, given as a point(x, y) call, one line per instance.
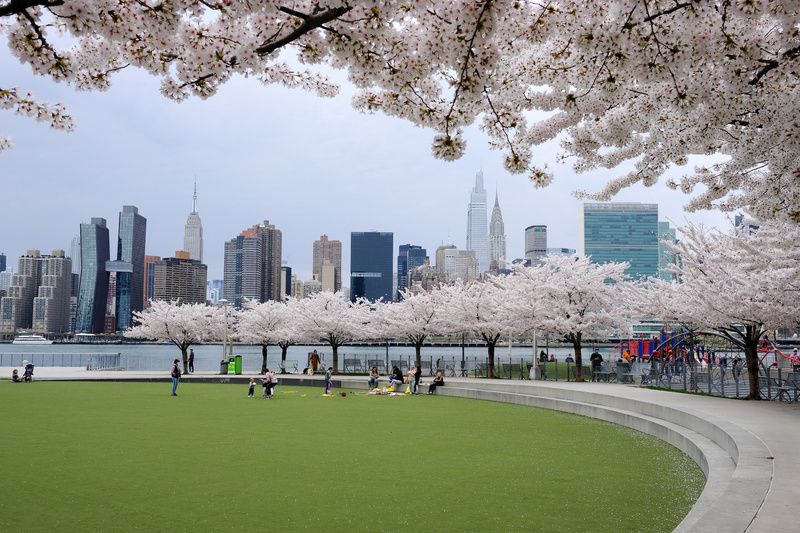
point(252, 389)
point(15, 376)
point(265, 383)
point(328, 382)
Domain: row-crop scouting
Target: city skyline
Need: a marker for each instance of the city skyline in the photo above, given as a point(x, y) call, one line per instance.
point(348, 181)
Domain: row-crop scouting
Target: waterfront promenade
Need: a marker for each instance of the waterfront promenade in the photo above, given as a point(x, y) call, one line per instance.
point(748, 450)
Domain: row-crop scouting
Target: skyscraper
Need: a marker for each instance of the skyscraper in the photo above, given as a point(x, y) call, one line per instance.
point(460, 265)
point(477, 232)
point(371, 265)
point(327, 250)
point(75, 254)
point(666, 257)
point(149, 279)
point(497, 237)
point(2, 262)
point(620, 232)
point(410, 256)
point(286, 282)
point(180, 278)
point(535, 242)
point(193, 232)
point(328, 279)
point(214, 290)
point(253, 265)
point(51, 306)
point(130, 250)
point(94, 278)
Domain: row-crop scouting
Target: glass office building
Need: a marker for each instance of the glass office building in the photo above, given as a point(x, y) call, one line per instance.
point(130, 285)
point(93, 290)
point(409, 257)
point(371, 265)
point(621, 232)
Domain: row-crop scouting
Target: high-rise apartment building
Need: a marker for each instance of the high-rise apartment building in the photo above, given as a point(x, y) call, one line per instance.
point(93, 290)
point(535, 242)
point(297, 287)
point(180, 279)
point(130, 279)
point(667, 237)
point(16, 308)
point(497, 238)
point(561, 251)
point(410, 256)
point(149, 278)
point(51, 306)
point(620, 232)
point(193, 232)
point(253, 265)
point(371, 265)
point(477, 231)
point(331, 251)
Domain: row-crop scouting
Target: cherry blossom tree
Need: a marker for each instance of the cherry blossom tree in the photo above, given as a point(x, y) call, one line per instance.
point(579, 299)
point(740, 284)
point(258, 324)
point(181, 324)
point(288, 333)
point(623, 83)
point(415, 317)
point(482, 308)
point(328, 317)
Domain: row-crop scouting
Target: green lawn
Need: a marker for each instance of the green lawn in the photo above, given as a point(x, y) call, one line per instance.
point(127, 456)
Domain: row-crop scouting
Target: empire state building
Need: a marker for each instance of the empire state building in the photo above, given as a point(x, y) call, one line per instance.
point(193, 232)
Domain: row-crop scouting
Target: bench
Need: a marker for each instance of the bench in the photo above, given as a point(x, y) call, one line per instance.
point(624, 374)
point(377, 363)
point(289, 367)
point(352, 365)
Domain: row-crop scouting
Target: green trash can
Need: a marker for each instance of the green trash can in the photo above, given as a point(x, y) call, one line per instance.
point(231, 365)
point(238, 365)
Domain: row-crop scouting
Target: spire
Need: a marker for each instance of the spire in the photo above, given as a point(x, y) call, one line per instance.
point(194, 198)
point(496, 202)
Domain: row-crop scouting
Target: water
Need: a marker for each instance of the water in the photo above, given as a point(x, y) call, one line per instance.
point(153, 357)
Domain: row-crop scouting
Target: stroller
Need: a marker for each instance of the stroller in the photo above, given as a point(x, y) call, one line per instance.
point(28, 375)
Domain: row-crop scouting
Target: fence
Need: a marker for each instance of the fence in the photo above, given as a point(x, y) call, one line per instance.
point(85, 360)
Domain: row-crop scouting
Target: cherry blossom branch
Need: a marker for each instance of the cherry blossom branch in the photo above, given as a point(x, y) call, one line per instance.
point(310, 23)
point(15, 7)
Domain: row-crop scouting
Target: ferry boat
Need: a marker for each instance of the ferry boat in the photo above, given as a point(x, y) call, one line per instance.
point(31, 339)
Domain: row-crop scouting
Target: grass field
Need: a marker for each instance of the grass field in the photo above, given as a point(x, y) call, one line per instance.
point(129, 457)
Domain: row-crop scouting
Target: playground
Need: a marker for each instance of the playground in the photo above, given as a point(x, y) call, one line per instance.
point(127, 456)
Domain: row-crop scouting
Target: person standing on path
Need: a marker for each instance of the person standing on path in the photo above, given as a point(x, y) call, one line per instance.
point(314, 361)
point(175, 372)
point(191, 361)
point(328, 382)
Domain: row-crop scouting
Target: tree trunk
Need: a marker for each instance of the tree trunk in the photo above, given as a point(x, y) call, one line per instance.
point(576, 345)
point(751, 357)
point(284, 349)
point(490, 365)
point(264, 358)
point(335, 349)
point(185, 354)
point(418, 348)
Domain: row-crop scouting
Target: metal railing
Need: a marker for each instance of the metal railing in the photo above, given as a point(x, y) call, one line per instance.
point(75, 360)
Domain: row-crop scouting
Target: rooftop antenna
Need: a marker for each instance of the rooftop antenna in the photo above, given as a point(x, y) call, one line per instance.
point(194, 197)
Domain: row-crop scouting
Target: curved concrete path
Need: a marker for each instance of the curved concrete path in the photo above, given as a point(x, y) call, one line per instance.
point(749, 451)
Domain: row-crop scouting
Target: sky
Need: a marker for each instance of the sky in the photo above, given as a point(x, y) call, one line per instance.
point(307, 164)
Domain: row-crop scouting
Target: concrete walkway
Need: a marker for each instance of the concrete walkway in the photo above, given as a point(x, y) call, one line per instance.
point(750, 451)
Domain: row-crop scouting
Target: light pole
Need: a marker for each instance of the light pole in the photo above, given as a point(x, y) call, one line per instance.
point(224, 303)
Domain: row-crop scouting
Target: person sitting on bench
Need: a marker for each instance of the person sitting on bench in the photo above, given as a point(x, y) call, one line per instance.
point(395, 379)
point(438, 381)
point(28, 375)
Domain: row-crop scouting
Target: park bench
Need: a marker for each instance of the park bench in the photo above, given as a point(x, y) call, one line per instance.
point(352, 365)
point(377, 363)
point(790, 389)
point(288, 367)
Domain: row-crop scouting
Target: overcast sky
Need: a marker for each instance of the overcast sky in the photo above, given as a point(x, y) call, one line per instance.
point(309, 165)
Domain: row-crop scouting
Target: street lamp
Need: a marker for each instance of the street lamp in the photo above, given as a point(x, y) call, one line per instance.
point(224, 303)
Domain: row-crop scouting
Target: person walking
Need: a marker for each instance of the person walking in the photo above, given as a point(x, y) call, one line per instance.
point(175, 372)
point(251, 389)
point(191, 361)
